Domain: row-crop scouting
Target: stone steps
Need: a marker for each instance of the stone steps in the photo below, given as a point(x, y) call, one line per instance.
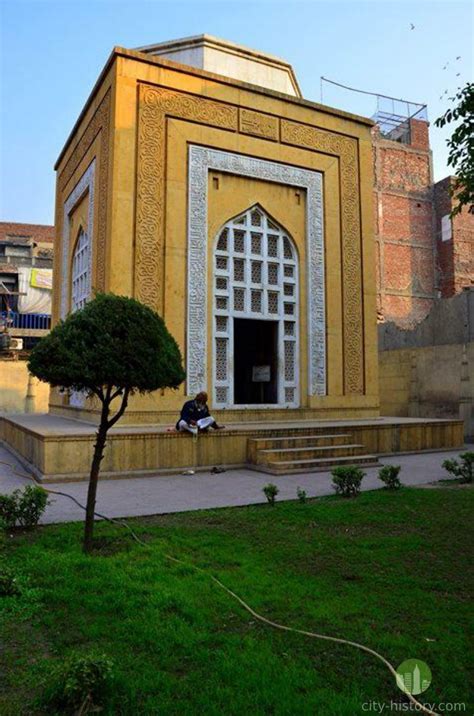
point(309, 452)
point(292, 467)
point(305, 452)
point(298, 440)
point(304, 440)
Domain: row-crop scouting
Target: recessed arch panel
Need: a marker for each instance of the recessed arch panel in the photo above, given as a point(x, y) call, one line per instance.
point(201, 161)
point(255, 276)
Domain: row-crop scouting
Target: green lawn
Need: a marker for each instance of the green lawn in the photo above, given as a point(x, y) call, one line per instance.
point(390, 570)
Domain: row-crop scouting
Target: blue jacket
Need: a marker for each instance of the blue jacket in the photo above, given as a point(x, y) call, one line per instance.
point(190, 411)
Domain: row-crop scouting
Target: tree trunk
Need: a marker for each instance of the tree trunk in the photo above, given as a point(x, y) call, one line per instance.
point(105, 424)
point(94, 477)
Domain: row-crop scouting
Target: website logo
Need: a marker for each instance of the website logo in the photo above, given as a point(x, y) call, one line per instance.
point(413, 676)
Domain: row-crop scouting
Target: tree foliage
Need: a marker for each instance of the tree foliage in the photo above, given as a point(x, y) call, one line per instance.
point(113, 347)
point(113, 341)
point(461, 145)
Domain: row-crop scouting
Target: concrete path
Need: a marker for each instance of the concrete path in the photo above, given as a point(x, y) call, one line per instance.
point(181, 493)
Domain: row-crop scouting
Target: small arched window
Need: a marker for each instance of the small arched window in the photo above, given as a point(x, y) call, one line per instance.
point(80, 293)
point(80, 276)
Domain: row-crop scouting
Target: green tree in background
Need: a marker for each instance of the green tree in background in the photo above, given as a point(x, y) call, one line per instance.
point(461, 146)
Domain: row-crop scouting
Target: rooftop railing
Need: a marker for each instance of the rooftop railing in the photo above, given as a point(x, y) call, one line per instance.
point(27, 321)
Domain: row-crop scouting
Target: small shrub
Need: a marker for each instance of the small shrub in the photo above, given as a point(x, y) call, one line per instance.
point(463, 470)
point(82, 684)
point(389, 476)
point(31, 506)
point(271, 491)
point(23, 509)
point(8, 582)
point(346, 480)
point(301, 494)
point(8, 510)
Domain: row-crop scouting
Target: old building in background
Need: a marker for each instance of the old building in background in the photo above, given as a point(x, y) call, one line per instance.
point(421, 252)
point(403, 193)
point(26, 275)
point(454, 241)
point(26, 282)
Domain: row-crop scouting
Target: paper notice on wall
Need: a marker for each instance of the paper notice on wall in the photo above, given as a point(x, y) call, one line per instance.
point(41, 278)
point(32, 299)
point(261, 374)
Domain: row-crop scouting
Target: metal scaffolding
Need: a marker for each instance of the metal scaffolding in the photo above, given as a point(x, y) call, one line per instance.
point(392, 115)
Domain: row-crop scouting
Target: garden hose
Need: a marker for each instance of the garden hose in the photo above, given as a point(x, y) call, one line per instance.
point(420, 707)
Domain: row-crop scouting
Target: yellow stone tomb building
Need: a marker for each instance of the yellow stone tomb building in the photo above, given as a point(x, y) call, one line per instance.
point(241, 214)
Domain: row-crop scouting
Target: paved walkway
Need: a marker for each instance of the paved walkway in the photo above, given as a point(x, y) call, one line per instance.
point(181, 493)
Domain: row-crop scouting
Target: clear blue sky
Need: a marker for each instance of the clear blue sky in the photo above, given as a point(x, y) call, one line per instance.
point(52, 53)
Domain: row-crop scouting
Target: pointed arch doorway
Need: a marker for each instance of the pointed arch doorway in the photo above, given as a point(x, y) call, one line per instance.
point(255, 314)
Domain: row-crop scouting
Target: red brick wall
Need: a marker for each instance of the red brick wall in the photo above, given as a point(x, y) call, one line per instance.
point(404, 227)
point(455, 257)
point(414, 265)
point(37, 232)
point(419, 134)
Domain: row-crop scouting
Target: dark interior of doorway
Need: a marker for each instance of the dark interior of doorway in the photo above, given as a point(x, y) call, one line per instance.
point(255, 344)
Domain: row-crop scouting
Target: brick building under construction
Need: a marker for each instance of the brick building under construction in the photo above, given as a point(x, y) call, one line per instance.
point(421, 252)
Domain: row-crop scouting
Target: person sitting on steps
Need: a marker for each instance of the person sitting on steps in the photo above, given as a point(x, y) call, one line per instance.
point(195, 416)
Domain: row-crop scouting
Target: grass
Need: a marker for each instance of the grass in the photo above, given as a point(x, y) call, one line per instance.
point(388, 569)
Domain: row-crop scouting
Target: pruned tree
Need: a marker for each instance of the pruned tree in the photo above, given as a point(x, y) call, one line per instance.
point(113, 347)
point(461, 146)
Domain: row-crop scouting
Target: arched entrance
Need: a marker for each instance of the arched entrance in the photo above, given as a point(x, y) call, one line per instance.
point(255, 314)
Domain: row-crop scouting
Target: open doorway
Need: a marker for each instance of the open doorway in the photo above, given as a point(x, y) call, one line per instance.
point(255, 361)
point(256, 314)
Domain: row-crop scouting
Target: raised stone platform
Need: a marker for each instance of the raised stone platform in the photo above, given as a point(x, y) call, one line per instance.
point(56, 449)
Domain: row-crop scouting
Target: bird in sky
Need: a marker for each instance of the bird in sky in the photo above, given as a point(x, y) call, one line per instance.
point(412, 27)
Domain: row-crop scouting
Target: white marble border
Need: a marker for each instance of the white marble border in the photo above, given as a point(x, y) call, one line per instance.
point(85, 184)
point(201, 160)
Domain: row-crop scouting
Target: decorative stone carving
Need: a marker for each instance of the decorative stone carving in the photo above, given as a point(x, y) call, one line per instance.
point(155, 105)
point(103, 190)
point(258, 124)
point(90, 133)
point(302, 135)
point(201, 160)
point(99, 125)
